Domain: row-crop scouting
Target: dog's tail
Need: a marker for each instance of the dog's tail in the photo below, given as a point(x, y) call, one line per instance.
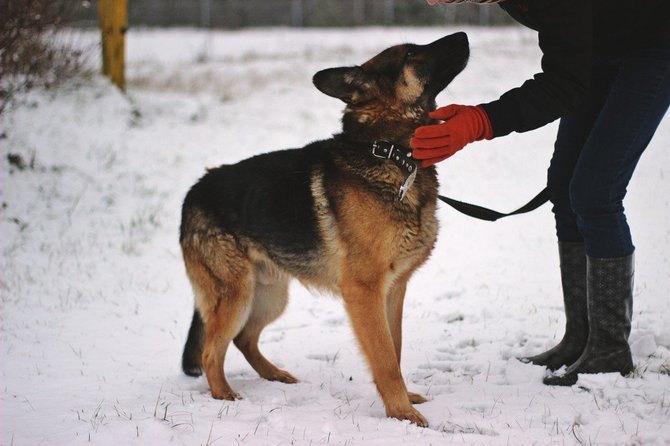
point(191, 358)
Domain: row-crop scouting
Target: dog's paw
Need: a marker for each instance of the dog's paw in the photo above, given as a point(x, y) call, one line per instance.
point(416, 398)
point(194, 371)
point(410, 414)
point(226, 395)
point(281, 376)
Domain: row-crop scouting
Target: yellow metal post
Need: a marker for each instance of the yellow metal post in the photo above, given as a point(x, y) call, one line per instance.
point(113, 15)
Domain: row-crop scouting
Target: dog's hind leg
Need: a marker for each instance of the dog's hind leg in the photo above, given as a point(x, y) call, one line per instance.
point(222, 280)
point(192, 356)
point(270, 298)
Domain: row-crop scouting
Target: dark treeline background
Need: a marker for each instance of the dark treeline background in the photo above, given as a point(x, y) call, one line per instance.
point(298, 13)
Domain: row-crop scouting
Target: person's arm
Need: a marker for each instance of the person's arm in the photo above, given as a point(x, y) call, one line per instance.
point(565, 38)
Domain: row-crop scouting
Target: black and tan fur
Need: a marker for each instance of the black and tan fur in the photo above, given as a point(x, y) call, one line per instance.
point(327, 214)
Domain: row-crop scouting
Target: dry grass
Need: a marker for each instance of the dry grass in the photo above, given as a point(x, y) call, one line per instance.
point(34, 50)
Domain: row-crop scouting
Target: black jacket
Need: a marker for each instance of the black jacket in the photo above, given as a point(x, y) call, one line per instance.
point(569, 33)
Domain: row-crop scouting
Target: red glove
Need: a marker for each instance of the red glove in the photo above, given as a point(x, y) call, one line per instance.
point(463, 124)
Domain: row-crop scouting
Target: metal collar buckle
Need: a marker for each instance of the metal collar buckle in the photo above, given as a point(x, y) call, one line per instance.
point(402, 157)
point(382, 149)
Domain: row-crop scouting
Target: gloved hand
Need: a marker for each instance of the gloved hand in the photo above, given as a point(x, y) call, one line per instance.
point(462, 125)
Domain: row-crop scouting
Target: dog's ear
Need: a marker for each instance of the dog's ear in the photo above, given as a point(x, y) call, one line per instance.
point(349, 84)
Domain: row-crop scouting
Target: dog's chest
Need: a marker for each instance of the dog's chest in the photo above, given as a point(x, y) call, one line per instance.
point(368, 215)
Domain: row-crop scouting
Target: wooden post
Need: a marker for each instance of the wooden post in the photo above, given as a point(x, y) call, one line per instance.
point(113, 15)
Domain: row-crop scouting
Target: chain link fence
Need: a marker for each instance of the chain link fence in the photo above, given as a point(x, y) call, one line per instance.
point(233, 14)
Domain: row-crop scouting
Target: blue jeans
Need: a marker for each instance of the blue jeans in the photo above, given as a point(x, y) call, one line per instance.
point(599, 144)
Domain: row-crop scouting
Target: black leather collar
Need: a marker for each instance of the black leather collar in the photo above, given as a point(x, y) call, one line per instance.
point(402, 157)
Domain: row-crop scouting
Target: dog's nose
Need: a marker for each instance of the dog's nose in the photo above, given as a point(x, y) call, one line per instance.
point(461, 36)
point(459, 39)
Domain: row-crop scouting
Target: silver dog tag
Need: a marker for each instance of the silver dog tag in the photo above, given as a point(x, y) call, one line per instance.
point(407, 184)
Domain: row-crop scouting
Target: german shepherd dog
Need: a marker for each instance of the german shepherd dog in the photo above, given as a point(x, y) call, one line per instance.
point(328, 214)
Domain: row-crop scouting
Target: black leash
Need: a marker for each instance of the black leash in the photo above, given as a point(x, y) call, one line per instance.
point(483, 213)
point(401, 156)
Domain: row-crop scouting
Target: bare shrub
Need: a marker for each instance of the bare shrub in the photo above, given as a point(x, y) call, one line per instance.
point(33, 48)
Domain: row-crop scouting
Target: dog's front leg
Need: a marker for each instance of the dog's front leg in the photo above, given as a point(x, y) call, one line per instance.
point(394, 306)
point(365, 305)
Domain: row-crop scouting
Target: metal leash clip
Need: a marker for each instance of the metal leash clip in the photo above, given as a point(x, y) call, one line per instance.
point(407, 183)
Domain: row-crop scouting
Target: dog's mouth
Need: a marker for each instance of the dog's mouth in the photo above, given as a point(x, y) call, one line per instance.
point(447, 74)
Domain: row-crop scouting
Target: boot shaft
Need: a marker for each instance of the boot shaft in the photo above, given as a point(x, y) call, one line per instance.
point(572, 258)
point(573, 281)
point(610, 297)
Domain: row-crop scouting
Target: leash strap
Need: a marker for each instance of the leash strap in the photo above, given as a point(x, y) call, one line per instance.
point(483, 213)
point(402, 157)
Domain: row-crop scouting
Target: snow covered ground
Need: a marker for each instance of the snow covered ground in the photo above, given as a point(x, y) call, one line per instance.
point(95, 304)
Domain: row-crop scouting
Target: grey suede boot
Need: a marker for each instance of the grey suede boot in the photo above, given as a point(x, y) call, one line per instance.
point(609, 285)
point(573, 281)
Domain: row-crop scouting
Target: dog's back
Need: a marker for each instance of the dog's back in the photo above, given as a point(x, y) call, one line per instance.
point(289, 208)
point(264, 200)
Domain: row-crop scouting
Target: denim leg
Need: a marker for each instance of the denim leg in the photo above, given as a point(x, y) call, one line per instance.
point(635, 105)
point(573, 131)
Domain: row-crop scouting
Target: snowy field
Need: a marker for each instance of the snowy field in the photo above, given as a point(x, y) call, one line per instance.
point(95, 304)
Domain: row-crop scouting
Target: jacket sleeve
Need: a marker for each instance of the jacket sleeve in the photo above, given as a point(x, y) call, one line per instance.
point(566, 41)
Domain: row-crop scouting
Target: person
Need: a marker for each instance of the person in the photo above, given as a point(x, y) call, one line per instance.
point(606, 75)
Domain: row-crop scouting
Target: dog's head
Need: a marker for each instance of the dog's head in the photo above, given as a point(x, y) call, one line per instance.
point(393, 92)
